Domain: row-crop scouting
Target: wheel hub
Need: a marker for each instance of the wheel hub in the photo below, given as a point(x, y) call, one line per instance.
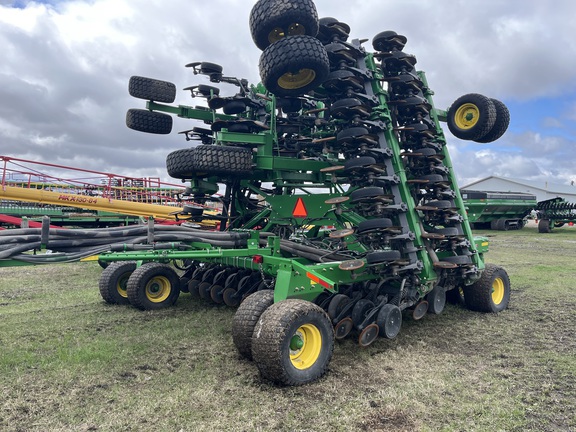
point(292, 81)
point(158, 289)
point(305, 346)
point(467, 116)
point(498, 291)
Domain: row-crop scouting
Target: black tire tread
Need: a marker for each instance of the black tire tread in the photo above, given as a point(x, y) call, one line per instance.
point(152, 89)
point(485, 122)
point(224, 160)
point(137, 296)
point(142, 120)
point(246, 317)
point(269, 349)
point(269, 14)
point(290, 55)
point(180, 163)
point(478, 296)
point(109, 280)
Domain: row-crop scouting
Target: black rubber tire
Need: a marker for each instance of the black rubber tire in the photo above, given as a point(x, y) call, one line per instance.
point(223, 160)
point(373, 224)
point(144, 282)
point(441, 204)
point(482, 111)
point(359, 311)
point(294, 65)
point(491, 293)
point(389, 321)
point(359, 162)
point(500, 125)
point(274, 333)
point(448, 232)
point(388, 40)
point(180, 164)
point(337, 304)
point(148, 121)
point(544, 226)
point(366, 193)
point(234, 107)
point(113, 280)
point(379, 257)
point(458, 259)
point(351, 134)
point(436, 300)
point(246, 317)
point(151, 89)
point(287, 17)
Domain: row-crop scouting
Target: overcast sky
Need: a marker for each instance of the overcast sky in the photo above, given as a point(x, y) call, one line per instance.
point(65, 66)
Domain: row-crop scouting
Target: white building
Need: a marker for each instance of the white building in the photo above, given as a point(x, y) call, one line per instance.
point(543, 190)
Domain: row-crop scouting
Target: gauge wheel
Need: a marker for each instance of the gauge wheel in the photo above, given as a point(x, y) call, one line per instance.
point(293, 342)
point(153, 286)
point(246, 317)
point(294, 65)
point(272, 20)
point(389, 321)
point(491, 293)
point(113, 281)
point(471, 116)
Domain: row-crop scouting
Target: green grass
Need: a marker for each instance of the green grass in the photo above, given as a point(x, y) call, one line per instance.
point(70, 362)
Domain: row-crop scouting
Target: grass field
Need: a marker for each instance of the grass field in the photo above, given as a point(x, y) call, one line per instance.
point(70, 362)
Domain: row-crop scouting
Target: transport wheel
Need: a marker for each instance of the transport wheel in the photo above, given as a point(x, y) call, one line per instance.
point(293, 342)
point(294, 65)
point(113, 282)
point(223, 160)
point(491, 293)
point(153, 286)
point(272, 20)
point(389, 321)
point(148, 121)
point(436, 300)
point(246, 317)
point(500, 125)
point(471, 116)
point(180, 164)
point(151, 89)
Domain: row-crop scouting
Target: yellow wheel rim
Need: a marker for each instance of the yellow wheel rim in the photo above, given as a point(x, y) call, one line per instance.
point(278, 33)
point(298, 80)
point(467, 116)
point(121, 286)
point(498, 291)
point(305, 346)
point(158, 289)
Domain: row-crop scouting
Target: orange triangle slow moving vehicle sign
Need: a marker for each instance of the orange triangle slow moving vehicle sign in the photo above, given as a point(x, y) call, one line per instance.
point(299, 209)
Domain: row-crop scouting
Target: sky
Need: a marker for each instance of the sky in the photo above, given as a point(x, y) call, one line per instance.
point(65, 67)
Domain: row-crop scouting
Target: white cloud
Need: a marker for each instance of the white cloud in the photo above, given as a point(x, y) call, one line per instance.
point(65, 70)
